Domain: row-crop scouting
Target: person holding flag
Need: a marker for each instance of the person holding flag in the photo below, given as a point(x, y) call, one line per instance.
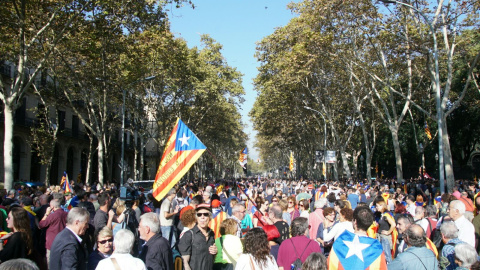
point(182, 150)
point(356, 250)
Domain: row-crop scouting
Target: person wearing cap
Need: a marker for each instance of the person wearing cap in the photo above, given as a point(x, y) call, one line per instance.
point(217, 217)
point(197, 246)
point(167, 214)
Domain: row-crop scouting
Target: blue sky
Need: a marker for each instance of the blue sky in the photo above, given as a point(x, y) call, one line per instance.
point(237, 25)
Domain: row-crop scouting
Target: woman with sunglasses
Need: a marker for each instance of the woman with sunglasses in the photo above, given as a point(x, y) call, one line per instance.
point(291, 208)
point(303, 206)
point(20, 243)
point(260, 218)
point(197, 245)
point(326, 246)
point(104, 248)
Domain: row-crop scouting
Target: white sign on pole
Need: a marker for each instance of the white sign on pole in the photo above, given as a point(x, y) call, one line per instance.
point(331, 157)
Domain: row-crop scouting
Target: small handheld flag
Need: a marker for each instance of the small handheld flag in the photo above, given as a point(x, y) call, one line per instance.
point(183, 148)
point(66, 183)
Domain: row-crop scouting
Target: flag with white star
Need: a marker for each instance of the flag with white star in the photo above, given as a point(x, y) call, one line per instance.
point(351, 251)
point(182, 150)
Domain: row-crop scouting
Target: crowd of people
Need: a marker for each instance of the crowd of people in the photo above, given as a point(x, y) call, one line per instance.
point(244, 224)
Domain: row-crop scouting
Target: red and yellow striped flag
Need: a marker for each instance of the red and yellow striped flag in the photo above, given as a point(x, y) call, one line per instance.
point(183, 148)
point(427, 131)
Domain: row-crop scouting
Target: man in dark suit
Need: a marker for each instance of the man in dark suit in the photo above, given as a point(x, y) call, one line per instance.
point(156, 253)
point(68, 251)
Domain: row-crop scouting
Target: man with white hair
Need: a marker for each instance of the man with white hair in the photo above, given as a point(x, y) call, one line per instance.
point(156, 253)
point(54, 221)
point(466, 231)
point(68, 248)
point(121, 257)
point(450, 238)
point(316, 217)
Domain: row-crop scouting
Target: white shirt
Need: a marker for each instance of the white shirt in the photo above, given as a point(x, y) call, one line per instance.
point(466, 231)
point(244, 263)
point(337, 230)
point(165, 208)
point(423, 223)
point(411, 209)
point(124, 260)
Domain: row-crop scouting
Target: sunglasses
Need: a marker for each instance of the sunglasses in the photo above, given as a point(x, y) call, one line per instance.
point(290, 202)
point(203, 214)
point(274, 200)
point(103, 242)
point(300, 204)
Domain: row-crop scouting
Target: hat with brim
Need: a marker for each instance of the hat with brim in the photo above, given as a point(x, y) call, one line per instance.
point(205, 206)
point(68, 194)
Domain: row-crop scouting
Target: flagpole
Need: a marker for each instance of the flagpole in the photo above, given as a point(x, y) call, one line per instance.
point(248, 197)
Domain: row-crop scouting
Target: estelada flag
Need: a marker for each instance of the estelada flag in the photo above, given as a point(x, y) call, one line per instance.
point(66, 183)
point(183, 148)
point(351, 251)
point(242, 159)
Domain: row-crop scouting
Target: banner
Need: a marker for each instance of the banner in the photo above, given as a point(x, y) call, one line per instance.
point(331, 157)
point(183, 148)
point(292, 162)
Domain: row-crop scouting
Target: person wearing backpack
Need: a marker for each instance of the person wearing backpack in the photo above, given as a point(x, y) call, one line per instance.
point(431, 217)
point(450, 238)
point(294, 251)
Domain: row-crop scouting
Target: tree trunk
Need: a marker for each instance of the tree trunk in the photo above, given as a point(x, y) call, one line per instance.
point(47, 170)
point(398, 156)
point(100, 162)
point(447, 154)
point(345, 163)
point(368, 162)
point(142, 161)
point(8, 147)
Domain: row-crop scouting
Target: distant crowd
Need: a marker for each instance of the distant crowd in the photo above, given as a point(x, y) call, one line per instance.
point(243, 224)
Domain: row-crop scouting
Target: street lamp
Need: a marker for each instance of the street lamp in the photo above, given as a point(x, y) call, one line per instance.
point(122, 155)
point(325, 139)
point(437, 91)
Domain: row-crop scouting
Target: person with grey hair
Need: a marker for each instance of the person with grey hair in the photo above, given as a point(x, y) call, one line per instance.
point(167, 215)
point(420, 217)
point(316, 217)
point(431, 217)
point(297, 247)
point(121, 257)
point(456, 211)
point(69, 244)
point(417, 256)
point(93, 198)
point(238, 214)
point(54, 221)
point(450, 238)
point(156, 253)
point(275, 213)
point(19, 264)
point(465, 256)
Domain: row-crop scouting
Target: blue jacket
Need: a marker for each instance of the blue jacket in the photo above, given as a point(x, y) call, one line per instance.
point(415, 258)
